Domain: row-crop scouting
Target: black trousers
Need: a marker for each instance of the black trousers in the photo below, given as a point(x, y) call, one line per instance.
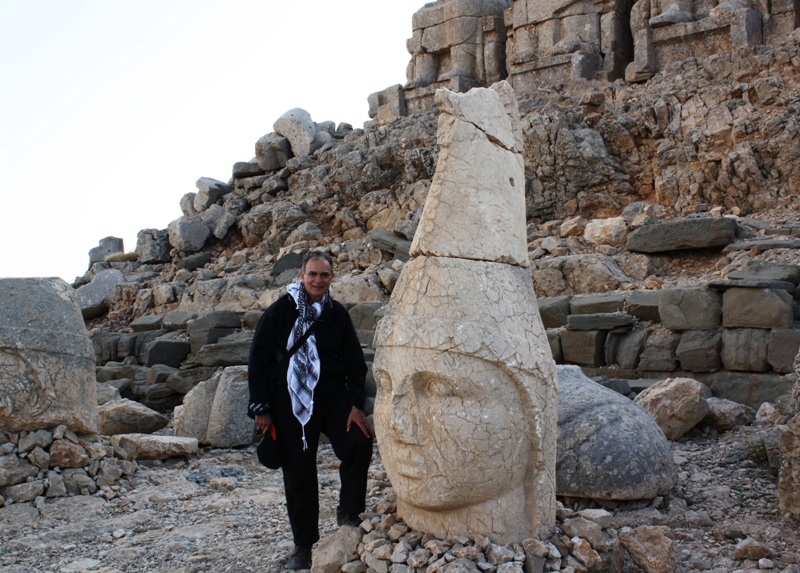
point(353, 449)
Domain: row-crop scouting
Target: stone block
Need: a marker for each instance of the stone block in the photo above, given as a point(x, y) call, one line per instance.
point(178, 320)
point(700, 233)
point(28, 491)
point(676, 404)
point(390, 242)
point(689, 309)
point(107, 246)
point(745, 349)
point(584, 347)
point(126, 417)
point(698, 351)
point(218, 220)
point(66, 454)
point(191, 419)
point(193, 262)
point(608, 446)
point(554, 311)
point(597, 304)
point(47, 367)
point(611, 231)
point(298, 128)
point(624, 349)
point(749, 389)
point(287, 262)
point(767, 270)
point(211, 327)
point(643, 304)
point(782, 349)
point(757, 308)
point(165, 351)
point(188, 234)
point(146, 447)
point(209, 191)
point(147, 322)
point(14, 470)
point(605, 321)
point(152, 246)
point(272, 152)
point(93, 298)
point(228, 423)
point(659, 352)
point(231, 350)
point(554, 340)
point(726, 414)
point(183, 381)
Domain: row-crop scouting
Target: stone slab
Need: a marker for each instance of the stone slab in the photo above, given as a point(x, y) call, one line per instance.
point(725, 284)
point(602, 321)
point(745, 349)
point(643, 304)
point(700, 233)
point(763, 245)
point(146, 447)
point(767, 270)
point(689, 308)
point(757, 308)
point(698, 351)
point(749, 389)
point(228, 423)
point(554, 311)
point(782, 349)
point(599, 304)
point(584, 347)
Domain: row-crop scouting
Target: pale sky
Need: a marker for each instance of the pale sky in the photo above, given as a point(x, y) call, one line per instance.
point(110, 110)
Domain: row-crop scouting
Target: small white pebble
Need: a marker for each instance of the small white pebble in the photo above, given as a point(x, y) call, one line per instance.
point(765, 564)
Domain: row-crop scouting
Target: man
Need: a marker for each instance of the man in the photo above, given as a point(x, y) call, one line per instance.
point(320, 388)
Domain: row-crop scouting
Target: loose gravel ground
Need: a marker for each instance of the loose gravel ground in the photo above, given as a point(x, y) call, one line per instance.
point(222, 512)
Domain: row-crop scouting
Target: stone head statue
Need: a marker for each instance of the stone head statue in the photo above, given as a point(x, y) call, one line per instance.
point(466, 405)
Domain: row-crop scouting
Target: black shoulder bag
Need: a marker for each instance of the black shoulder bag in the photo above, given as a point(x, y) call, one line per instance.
point(268, 451)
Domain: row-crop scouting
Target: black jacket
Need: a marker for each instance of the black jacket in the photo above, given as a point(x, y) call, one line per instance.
point(342, 366)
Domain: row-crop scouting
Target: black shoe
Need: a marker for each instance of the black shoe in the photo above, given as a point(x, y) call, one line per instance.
point(344, 518)
point(299, 559)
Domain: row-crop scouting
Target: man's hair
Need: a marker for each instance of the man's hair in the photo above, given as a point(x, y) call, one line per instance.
point(316, 255)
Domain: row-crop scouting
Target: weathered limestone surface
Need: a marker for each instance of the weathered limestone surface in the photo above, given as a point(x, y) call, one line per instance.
point(465, 411)
point(47, 363)
point(93, 298)
point(608, 446)
point(725, 414)
point(228, 423)
point(298, 128)
point(479, 182)
point(677, 404)
point(147, 447)
point(651, 547)
point(127, 417)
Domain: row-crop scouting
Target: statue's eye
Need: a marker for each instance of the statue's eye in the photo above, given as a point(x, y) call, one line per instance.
point(441, 387)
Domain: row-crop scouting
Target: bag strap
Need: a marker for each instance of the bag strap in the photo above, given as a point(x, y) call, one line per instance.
point(303, 338)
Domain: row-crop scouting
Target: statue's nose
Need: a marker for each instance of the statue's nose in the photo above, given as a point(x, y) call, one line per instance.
point(405, 415)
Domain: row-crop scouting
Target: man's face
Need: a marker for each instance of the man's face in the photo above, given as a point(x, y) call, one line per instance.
point(316, 277)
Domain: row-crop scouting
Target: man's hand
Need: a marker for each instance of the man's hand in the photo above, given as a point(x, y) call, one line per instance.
point(358, 418)
point(264, 422)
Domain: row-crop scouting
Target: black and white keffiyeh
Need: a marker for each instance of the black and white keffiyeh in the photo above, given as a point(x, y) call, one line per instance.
point(304, 365)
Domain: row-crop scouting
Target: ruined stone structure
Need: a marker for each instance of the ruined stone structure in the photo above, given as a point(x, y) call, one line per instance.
point(460, 44)
point(466, 406)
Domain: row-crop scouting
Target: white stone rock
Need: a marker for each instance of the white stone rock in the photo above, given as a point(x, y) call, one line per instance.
point(228, 423)
point(677, 404)
point(146, 447)
point(612, 231)
point(297, 126)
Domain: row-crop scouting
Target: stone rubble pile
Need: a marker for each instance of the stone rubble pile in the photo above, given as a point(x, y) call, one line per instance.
point(46, 464)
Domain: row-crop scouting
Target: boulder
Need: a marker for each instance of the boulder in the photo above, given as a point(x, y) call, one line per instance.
point(698, 350)
point(757, 308)
point(749, 389)
point(651, 547)
point(107, 393)
point(28, 491)
point(689, 309)
point(700, 233)
point(126, 417)
point(188, 234)
point(608, 446)
point(152, 246)
point(576, 274)
point(14, 470)
point(209, 192)
point(229, 425)
point(146, 447)
point(624, 349)
point(193, 262)
point(676, 404)
point(745, 349)
point(146, 323)
point(107, 246)
point(93, 298)
point(66, 454)
point(308, 231)
point(363, 315)
point(272, 152)
point(725, 414)
point(356, 289)
point(390, 242)
point(613, 231)
point(218, 220)
point(184, 381)
point(287, 262)
point(47, 362)
point(298, 128)
point(336, 550)
point(178, 320)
